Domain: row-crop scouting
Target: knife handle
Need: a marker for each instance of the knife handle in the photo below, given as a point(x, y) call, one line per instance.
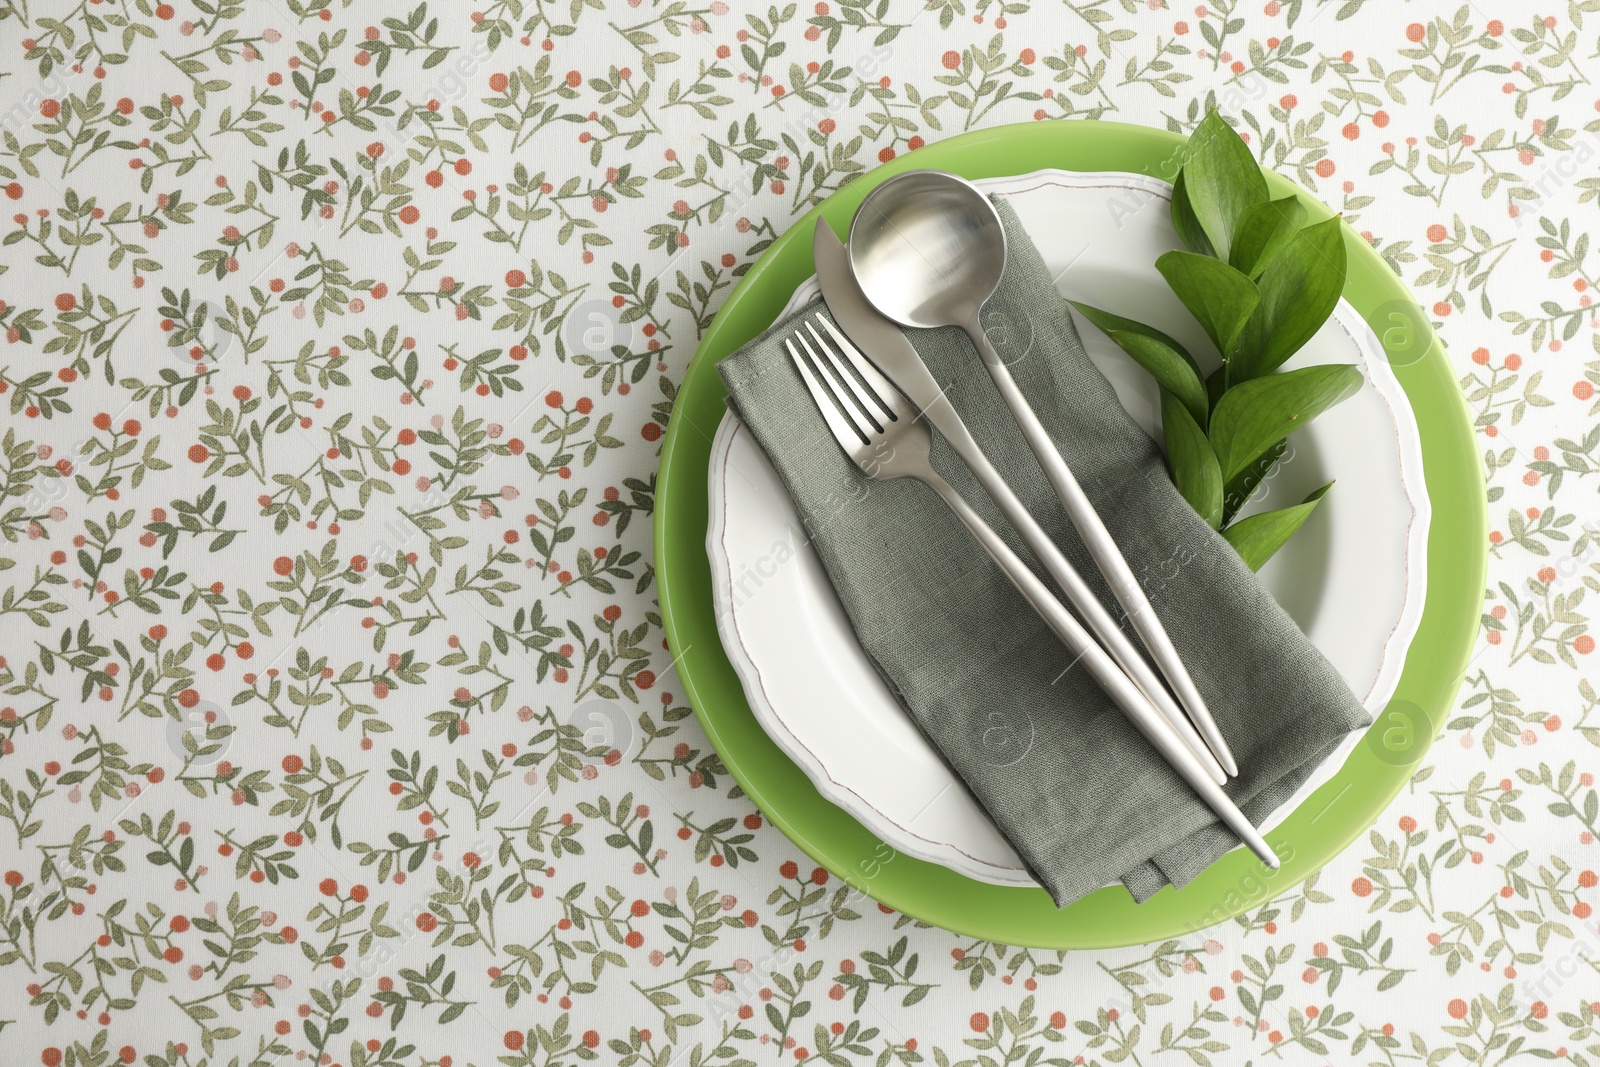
point(1098, 620)
point(1128, 697)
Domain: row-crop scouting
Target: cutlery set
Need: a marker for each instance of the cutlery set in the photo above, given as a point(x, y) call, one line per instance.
point(926, 250)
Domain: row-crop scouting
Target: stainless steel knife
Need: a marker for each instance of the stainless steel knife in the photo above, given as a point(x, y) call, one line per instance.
point(884, 344)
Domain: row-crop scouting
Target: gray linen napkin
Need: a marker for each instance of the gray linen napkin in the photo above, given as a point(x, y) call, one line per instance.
point(1077, 792)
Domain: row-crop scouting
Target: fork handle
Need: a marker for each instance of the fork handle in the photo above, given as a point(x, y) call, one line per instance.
point(943, 416)
point(1105, 671)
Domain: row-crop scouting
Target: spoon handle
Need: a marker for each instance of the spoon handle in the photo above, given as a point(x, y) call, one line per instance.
point(1103, 549)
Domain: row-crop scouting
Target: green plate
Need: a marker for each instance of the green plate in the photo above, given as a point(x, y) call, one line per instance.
point(1323, 825)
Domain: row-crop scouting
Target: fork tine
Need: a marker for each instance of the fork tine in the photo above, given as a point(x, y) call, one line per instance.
point(890, 399)
point(871, 404)
point(845, 390)
point(843, 427)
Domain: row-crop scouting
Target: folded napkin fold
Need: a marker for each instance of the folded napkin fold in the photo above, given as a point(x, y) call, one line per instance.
point(1079, 794)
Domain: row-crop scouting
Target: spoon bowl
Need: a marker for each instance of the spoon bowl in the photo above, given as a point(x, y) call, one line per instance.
point(927, 249)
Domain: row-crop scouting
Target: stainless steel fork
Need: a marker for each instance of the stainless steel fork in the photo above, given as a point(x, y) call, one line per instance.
point(886, 438)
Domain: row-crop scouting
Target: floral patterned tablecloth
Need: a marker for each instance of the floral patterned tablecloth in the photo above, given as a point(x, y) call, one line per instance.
point(337, 720)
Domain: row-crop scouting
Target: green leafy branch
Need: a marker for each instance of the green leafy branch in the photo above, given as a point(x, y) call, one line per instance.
point(1261, 281)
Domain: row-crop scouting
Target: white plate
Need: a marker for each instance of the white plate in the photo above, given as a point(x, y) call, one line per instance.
point(1353, 577)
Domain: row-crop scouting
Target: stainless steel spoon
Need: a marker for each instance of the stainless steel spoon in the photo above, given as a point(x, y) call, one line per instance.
point(927, 248)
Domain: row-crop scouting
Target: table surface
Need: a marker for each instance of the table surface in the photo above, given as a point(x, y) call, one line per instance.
point(337, 721)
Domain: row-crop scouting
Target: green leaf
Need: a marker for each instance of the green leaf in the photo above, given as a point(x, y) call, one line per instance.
point(1194, 466)
point(1258, 537)
point(1219, 297)
point(1221, 179)
point(1166, 360)
point(1251, 417)
point(1216, 385)
point(1184, 221)
point(1299, 288)
point(1236, 492)
point(1264, 229)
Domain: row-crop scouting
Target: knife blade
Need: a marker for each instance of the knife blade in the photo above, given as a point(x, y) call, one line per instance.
point(882, 342)
point(880, 338)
